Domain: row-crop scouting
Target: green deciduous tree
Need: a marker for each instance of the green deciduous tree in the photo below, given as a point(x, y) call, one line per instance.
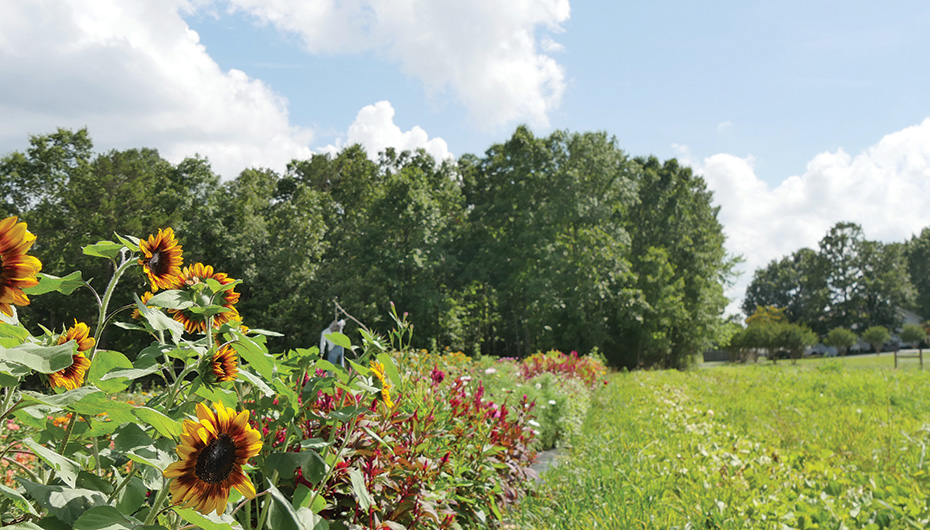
point(876, 336)
point(840, 338)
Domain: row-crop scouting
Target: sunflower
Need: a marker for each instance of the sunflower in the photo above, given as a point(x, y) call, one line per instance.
point(197, 323)
point(212, 452)
point(17, 270)
point(162, 259)
point(378, 369)
point(146, 296)
point(73, 376)
point(225, 364)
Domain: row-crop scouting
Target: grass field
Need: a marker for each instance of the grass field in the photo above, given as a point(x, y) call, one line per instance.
point(827, 443)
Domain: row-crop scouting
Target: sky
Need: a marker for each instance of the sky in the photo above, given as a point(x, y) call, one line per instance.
point(798, 114)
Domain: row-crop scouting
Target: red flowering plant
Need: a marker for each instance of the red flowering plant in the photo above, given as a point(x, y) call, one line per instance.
point(427, 452)
point(586, 369)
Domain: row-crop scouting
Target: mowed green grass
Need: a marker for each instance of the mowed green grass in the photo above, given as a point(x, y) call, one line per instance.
point(827, 443)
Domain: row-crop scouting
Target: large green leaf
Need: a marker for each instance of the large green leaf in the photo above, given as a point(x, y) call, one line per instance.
point(98, 403)
point(104, 249)
point(358, 487)
point(256, 382)
point(66, 469)
point(160, 321)
point(48, 283)
point(105, 361)
point(171, 299)
point(282, 514)
point(390, 368)
point(18, 500)
point(256, 355)
point(42, 359)
point(207, 522)
point(105, 518)
point(164, 425)
point(340, 340)
point(63, 400)
point(63, 502)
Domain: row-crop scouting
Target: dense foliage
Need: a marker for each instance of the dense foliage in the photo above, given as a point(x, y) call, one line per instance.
point(557, 242)
point(825, 443)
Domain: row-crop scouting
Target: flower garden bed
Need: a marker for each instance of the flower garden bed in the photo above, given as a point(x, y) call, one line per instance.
point(234, 436)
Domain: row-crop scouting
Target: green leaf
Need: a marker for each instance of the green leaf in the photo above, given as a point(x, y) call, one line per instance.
point(208, 311)
point(358, 487)
point(218, 287)
point(129, 437)
point(63, 400)
point(390, 368)
point(105, 361)
point(256, 382)
point(216, 394)
point(164, 425)
point(104, 249)
point(64, 503)
point(42, 359)
point(48, 283)
point(18, 500)
point(17, 332)
point(98, 403)
point(257, 357)
point(172, 299)
point(65, 468)
point(206, 522)
point(130, 242)
point(340, 340)
point(282, 515)
point(160, 321)
point(104, 518)
point(265, 332)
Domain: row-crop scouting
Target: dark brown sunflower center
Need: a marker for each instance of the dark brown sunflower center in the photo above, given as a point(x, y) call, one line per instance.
point(216, 460)
point(157, 264)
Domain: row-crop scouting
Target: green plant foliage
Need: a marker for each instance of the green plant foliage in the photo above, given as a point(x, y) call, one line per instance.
point(821, 444)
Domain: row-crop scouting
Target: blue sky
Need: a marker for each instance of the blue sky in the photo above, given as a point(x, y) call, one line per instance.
point(778, 81)
point(797, 114)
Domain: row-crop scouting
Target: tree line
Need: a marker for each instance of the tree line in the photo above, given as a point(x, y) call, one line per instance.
point(847, 282)
point(560, 242)
point(849, 288)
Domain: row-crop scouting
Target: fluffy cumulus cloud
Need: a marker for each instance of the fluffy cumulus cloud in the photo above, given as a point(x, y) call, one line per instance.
point(885, 188)
point(494, 57)
point(136, 75)
point(375, 130)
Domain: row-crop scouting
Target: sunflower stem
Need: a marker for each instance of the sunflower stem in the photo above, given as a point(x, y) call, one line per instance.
point(332, 468)
point(102, 314)
point(68, 430)
point(156, 506)
point(122, 484)
point(268, 501)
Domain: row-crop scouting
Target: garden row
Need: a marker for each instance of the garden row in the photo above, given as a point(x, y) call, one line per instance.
point(236, 437)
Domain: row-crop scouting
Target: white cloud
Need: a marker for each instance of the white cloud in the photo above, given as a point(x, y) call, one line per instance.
point(136, 75)
point(375, 130)
point(485, 52)
point(886, 189)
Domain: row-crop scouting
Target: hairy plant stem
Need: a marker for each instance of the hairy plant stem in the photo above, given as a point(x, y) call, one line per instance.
point(122, 484)
point(268, 501)
point(156, 506)
point(102, 313)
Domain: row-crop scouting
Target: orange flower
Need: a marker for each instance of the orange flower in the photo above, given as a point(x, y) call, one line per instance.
point(162, 259)
point(225, 364)
point(17, 270)
point(197, 323)
point(73, 376)
point(212, 452)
